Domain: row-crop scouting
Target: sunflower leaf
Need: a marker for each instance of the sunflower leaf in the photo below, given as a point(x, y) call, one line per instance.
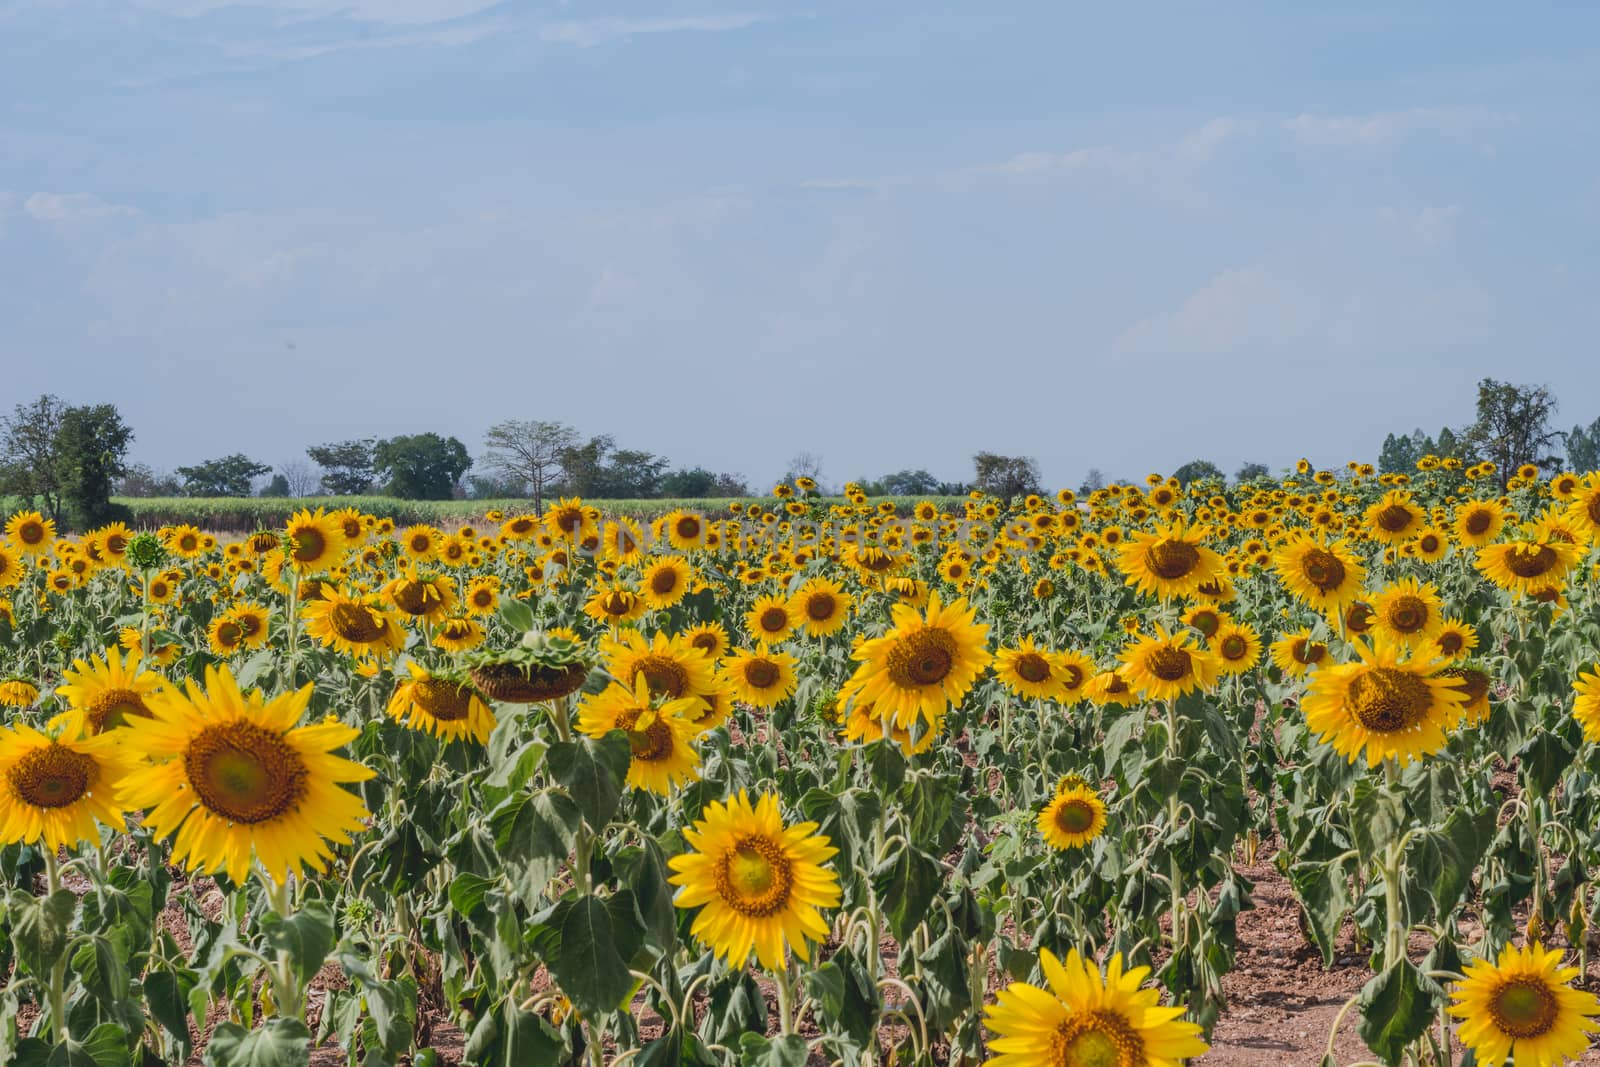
point(593, 770)
point(586, 963)
point(307, 936)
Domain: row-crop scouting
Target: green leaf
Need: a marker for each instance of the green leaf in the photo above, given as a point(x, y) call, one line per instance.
point(907, 883)
point(516, 614)
point(1396, 1007)
point(307, 936)
point(467, 892)
point(587, 965)
point(513, 1038)
point(846, 997)
point(536, 833)
point(39, 929)
point(644, 871)
point(1323, 890)
point(279, 1043)
point(167, 993)
point(758, 1051)
point(946, 989)
point(593, 772)
point(674, 1049)
point(1377, 818)
point(99, 966)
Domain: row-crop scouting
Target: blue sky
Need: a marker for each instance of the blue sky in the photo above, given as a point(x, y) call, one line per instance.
point(1117, 235)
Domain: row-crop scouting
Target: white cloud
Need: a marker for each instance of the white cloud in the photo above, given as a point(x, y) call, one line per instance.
point(73, 207)
point(1371, 131)
point(1240, 309)
point(587, 33)
point(1201, 145)
point(400, 12)
point(1428, 226)
point(1051, 162)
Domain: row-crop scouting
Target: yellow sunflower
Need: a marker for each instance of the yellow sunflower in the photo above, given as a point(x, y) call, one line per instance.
point(1523, 1009)
point(1395, 519)
point(1110, 687)
point(1030, 671)
point(822, 606)
point(17, 693)
point(1586, 703)
point(224, 636)
point(1237, 647)
point(458, 634)
point(762, 678)
point(445, 707)
point(1172, 561)
point(771, 619)
point(1409, 612)
point(1074, 817)
point(1086, 1019)
point(313, 541)
point(672, 667)
point(709, 637)
point(924, 663)
point(759, 885)
point(356, 626)
point(1528, 567)
point(1325, 576)
point(55, 789)
point(665, 581)
point(1165, 665)
point(421, 595)
point(660, 737)
point(1478, 522)
point(614, 605)
point(105, 692)
point(31, 532)
point(1583, 509)
point(1475, 684)
point(1383, 706)
point(1454, 640)
point(862, 725)
point(11, 567)
point(1296, 653)
point(421, 542)
point(231, 773)
point(252, 619)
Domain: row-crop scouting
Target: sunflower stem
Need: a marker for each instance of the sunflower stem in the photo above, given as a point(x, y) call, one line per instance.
point(1395, 938)
point(58, 970)
point(293, 623)
point(785, 985)
point(286, 986)
point(1174, 867)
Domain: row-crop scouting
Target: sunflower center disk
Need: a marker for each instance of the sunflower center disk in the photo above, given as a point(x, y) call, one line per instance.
point(114, 707)
point(663, 582)
point(1394, 518)
point(1233, 647)
point(1172, 559)
point(1388, 701)
point(1032, 667)
point(1478, 522)
point(1323, 569)
point(1524, 1008)
point(1309, 651)
point(1096, 1039)
point(308, 545)
point(1450, 643)
point(1075, 817)
point(354, 622)
point(1474, 683)
point(922, 658)
point(412, 597)
point(774, 620)
point(664, 676)
point(245, 773)
point(1531, 564)
point(819, 607)
point(761, 673)
point(52, 777)
point(1408, 615)
point(652, 741)
point(754, 878)
point(1169, 664)
point(445, 701)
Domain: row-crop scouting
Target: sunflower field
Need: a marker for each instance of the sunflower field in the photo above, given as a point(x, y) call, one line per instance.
point(807, 781)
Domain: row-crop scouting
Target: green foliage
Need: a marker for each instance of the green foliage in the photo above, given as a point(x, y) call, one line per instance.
point(90, 445)
point(420, 466)
point(347, 466)
point(229, 476)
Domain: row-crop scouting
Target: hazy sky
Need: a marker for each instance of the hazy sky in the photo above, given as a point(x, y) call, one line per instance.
point(1116, 235)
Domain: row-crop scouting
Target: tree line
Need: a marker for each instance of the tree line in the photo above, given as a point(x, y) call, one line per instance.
point(69, 460)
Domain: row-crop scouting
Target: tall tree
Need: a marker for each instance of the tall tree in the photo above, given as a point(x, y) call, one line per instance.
point(528, 453)
point(228, 476)
point(1249, 472)
point(1005, 476)
point(91, 444)
point(421, 466)
point(1513, 426)
point(634, 475)
point(1199, 470)
point(139, 480)
point(583, 466)
point(1583, 448)
point(29, 450)
point(346, 465)
point(1092, 481)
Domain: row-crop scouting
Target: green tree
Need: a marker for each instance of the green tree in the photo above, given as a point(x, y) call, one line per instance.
point(278, 487)
point(1005, 476)
point(1199, 470)
point(1583, 448)
point(28, 453)
point(91, 444)
point(634, 475)
point(421, 466)
point(1401, 452)
point(347, 466)
point(228, 476)
point(1513, 426)
point(528, 454)
point(1249, 472)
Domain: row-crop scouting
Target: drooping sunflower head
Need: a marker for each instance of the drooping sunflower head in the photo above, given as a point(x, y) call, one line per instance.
point(615, 605)
point(759, 885)
point(1523, 1008)
point(441, 704)
point(17, 693)
point(422, 595)
point(458, 633)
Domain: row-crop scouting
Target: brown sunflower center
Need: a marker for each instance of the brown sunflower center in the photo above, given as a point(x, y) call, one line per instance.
point(1386, 700)
point(1478, 521)
point(413, 597)
point(774, 620)
point(116, 544)
point(1531, 561)
point(1428, 543)
point(1451, 642)
point(762, 673)
point(1358, 617)
point(245, 773)
point(1308, 651)
point(650, 743)
point(1323, 569)
point(309, 544)
point(1101, 1038)
point(1233, 647)
point(1524, 1007)
point(52, 777)
point(664, 581)
point(1474, 683)
point(1073, 676)
point(229, 633)
point(710, 642)
point(1076, 816)
point(1032, 667)
point(1169, 664)
point(1172, 559)
point(1395, 518)
point(1206, 621)
point(30, 533)
point(113, 707)
point(664, 675)
point(619, 602)
point(820, 607)
point(754, 877)
point(444, 700)
point(356, 622)
point(1592, 508)
point(1408, 614)
point(923, 657)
